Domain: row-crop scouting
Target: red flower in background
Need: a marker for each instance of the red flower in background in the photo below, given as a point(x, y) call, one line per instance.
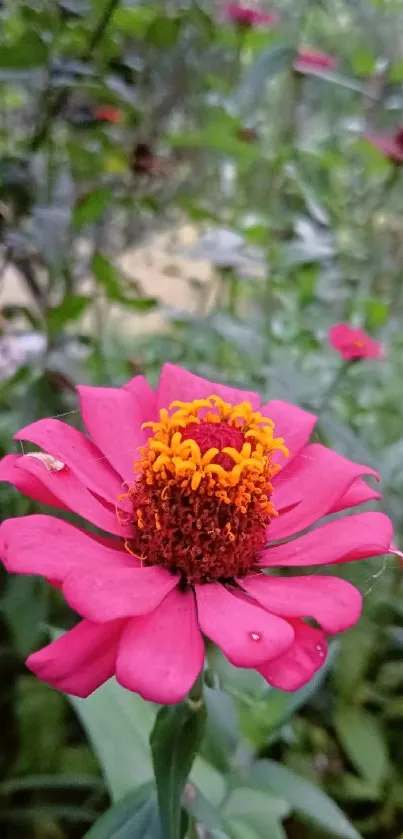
point(105, 113)
point(308, 61)
point(198, 489)
point(246, 16)
point(354, 343)
point(390, 145)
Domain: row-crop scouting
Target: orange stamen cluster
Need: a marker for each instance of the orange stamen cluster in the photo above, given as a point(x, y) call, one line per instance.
point(201, 504)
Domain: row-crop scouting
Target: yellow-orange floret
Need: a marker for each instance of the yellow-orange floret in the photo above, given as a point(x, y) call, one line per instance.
point(201, 504)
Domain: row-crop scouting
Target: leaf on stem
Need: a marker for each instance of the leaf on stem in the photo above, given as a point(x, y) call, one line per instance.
point(175, 742)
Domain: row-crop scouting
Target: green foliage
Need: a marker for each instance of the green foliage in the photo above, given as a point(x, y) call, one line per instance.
point(310, 223)
point(134, 817)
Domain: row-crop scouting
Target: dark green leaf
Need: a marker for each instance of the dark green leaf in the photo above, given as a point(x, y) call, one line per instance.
point(91, 207)
point(133, 817)
point(50, 782)
point(362, 739)
point(25, 607)
point(175, 741)
point(304, 797)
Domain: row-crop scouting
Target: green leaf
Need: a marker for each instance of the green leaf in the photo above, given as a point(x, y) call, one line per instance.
point(106, 275)
point(175, 741)
point(376, 313)
point(134, 21)
point(25, 607)
point(256, 813)
point(362, 739)
point(218, 138)
point(222, 729)
point(50, 782)
point(118, 724)
point(202, 811)
point(70, 309)
point(164, 32)
point(134, 817)
point(281, 706)
point(91, 207)
point(305, 798)
point(269, 63)
point(356, 652)
point(28, 52)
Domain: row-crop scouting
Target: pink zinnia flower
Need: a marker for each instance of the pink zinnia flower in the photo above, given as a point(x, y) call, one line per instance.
point(309, 61)
point(390, 145)
point(246, 16)
point(354, 343)
point(199, 496)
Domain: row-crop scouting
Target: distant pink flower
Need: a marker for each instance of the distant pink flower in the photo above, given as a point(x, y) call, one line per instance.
point(247, 16)
point(354, 343)
point(308, 61)
point(390, 145)
point(213, 500)
point(106, 113)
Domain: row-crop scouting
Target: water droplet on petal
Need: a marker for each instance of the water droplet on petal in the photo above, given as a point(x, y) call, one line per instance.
point(256, 636)
point(52, 463)
point(320, 650)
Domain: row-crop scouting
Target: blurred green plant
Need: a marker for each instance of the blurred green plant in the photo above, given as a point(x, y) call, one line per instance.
point(119, 120)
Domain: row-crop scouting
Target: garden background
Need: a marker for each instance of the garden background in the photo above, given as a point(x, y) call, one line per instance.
point(175, 186)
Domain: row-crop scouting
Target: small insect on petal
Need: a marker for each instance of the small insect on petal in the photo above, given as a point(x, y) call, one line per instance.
point(52, 463)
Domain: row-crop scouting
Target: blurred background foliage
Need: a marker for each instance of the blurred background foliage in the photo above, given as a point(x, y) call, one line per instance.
point(171, 189)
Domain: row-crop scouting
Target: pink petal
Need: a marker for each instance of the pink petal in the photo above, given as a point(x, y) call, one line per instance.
point(291, 423)
point(297, 666)
point(77, 452)
point(358, 493)
point(309, 487)
point(115, 592)
point(51, 548)
point(65, 485)
point(246, 633)
point(145, 397)
point(334, 603)
point(26, 483)
point(80, 660)
point(113, 418)
point(162, 654)
point(387, 145)
point(344, 540)
point(178, 384)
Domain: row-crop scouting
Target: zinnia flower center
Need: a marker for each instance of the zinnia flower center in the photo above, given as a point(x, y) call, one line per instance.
point(201, 504)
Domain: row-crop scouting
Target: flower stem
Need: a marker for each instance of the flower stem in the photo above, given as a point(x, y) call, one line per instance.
point(195, 699)
point(334, 384)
